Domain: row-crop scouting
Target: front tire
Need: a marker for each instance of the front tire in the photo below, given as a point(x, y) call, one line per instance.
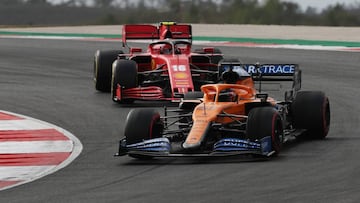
point(142, 124)
point(263, 122)
point(124, 74)
point(102, 68)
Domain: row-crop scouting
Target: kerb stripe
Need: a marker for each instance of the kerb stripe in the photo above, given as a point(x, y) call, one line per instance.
point(5, 116)
point(31, 135)
point(33, 159)
point(31, 149)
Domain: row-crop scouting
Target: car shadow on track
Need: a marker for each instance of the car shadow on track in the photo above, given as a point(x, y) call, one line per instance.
point(195, 160)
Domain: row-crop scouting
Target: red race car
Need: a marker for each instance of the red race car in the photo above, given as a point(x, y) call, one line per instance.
point(167, 70)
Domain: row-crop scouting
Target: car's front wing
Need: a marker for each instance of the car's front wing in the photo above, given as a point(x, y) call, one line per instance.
point(161, 147)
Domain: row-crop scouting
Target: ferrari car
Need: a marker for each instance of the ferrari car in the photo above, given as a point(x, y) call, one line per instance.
point(167, 70)
point(234, 117)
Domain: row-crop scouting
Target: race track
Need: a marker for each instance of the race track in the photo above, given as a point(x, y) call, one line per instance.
point(51, 80)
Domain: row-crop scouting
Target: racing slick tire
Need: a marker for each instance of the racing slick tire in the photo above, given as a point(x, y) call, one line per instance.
point(124, 73)
point(102, 68)
point(142, 124)
point(311, 111)
point(263, 122)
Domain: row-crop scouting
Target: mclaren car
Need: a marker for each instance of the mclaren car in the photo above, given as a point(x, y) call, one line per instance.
point(233, 117)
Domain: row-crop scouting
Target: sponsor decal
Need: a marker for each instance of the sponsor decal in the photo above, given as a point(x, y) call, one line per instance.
point(271, 69)
point(180, 68)
point(180, 75)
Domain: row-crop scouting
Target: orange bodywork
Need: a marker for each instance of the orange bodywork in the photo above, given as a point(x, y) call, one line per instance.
point(208, 112)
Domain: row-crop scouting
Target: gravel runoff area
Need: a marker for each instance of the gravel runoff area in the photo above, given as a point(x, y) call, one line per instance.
point(346, 34)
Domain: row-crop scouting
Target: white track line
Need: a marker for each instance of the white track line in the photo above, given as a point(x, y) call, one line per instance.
point(35, 147)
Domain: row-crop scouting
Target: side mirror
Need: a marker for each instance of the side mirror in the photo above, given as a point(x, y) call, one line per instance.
point(262, 96)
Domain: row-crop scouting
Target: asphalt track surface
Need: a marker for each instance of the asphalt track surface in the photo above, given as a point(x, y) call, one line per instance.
point(51, 80)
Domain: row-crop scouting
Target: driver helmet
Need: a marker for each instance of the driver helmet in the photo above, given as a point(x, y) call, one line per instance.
point(165, 49)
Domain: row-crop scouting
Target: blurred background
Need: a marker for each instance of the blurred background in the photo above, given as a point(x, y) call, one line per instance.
point(24, 13)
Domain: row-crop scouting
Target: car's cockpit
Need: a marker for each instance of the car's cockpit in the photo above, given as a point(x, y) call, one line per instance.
point(170, 47)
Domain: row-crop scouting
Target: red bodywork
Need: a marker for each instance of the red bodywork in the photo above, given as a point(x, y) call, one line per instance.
point(169, 56)
point(161, 32)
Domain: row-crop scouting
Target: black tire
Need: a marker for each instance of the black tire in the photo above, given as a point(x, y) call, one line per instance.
point(142, 124)
point(263, 122)
point(102, 68)
point(311, 111)
point(125, 74)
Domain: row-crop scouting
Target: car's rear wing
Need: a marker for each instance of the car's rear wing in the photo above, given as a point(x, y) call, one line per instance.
point(151, 32)
point(276, 73)
point(272, 72)
point(139, 32)
point(265, 72)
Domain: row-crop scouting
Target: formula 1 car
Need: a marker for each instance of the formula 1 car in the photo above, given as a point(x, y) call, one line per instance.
point(232, 118)
point(166, 71)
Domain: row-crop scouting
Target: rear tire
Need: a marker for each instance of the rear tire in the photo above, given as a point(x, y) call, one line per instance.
point(102, 68)
point(311, 111)
point(142, 124)
point(125, 74)
point(263, 122)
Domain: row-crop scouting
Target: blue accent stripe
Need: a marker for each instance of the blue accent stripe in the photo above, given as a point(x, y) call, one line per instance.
point(153, 145)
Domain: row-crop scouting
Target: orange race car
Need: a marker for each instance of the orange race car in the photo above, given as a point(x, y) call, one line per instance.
point(232, 118)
